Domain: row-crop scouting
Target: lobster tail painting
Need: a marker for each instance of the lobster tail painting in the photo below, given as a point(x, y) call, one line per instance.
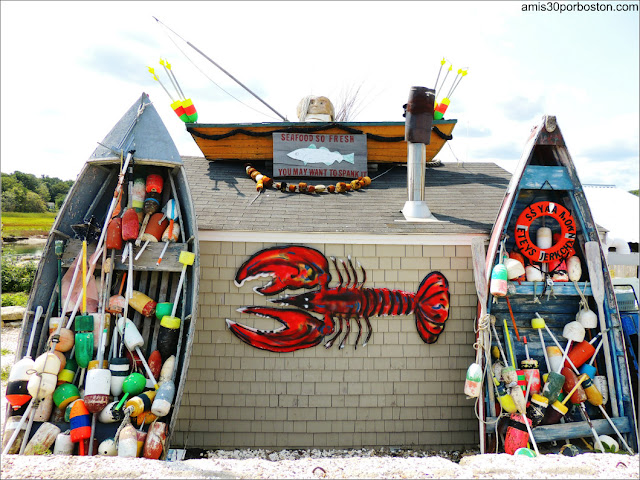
point(298, 267)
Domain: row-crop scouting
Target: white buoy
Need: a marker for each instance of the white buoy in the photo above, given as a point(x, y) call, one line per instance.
point(533, 274)
point(164, 396)
point(119, 367)
point(544, 238)
point(574, 268)
point(514, 268)
point(109, 415)
point(587, 318)
point(166, 371)
point(43, 412)
point(63, 445)
point(600, 381)
point(108, 448)
point(608, 442)
point(128, 442)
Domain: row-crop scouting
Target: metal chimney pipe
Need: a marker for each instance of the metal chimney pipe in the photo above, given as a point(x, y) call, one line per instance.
point(418, 123)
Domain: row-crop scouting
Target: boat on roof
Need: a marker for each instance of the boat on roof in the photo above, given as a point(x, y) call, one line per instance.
point(135, 169)
point(254, 141)
point(545, 314)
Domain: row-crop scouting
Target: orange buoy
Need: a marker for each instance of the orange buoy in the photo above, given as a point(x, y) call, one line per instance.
point(156, 439)
point(80, 424)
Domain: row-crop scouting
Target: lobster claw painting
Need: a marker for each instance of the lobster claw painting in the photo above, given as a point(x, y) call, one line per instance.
point(298, 267)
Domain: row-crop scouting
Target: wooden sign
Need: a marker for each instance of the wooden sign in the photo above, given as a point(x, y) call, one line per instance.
point(319, 155)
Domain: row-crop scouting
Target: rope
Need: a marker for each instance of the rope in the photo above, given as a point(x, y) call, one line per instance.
point(125, 421)
point(310, 129)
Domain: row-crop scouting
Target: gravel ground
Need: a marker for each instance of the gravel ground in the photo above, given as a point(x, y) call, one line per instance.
point(312, 463)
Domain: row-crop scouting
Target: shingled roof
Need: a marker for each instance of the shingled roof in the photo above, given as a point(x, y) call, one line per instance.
point(465, 198)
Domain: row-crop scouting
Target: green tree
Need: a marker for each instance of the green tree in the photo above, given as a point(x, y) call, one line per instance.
point(59, 200)
point(43, 191)
point(8, 201)
point(34, 203)
point(30, 181)
point(8, 182)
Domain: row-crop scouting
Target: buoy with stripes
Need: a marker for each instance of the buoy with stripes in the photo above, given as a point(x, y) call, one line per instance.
point(119, 367)
point(65, 394)
point(80, 425)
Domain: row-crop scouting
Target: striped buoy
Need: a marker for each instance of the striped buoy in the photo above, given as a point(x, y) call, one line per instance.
point(119, 368)
point(98, 386)
point(141, 402)
point(80, 424)
point(68, 372)
point(168, 336)
point(65, 394)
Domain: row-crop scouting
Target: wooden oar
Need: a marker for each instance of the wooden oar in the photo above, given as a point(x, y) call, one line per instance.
point(479, 273)
point(594, 263)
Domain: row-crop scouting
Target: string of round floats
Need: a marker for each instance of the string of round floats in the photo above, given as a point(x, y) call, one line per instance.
point(264, 182)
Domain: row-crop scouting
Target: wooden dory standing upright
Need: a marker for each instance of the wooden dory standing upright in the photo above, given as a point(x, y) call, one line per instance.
point(546, 173)
point(142, 132)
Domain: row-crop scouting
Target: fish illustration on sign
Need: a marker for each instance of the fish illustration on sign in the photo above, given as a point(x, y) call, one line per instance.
point(313, 154)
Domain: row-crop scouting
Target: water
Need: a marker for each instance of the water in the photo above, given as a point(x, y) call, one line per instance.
point(20, 249)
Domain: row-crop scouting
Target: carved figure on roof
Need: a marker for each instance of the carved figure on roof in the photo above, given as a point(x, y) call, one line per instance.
point(315, 109)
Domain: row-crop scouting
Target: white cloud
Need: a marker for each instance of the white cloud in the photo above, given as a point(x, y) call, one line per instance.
point(70, 69)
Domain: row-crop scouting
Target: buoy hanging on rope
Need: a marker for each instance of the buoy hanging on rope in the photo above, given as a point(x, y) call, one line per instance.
point(128, 442)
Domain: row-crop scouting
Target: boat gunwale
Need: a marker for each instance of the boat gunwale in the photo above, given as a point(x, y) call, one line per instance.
point(307, 124)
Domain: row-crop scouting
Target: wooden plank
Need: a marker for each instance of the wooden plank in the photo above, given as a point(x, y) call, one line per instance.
point(549, 433)
point(540, 177)
point(146, 262)
point(559, 288)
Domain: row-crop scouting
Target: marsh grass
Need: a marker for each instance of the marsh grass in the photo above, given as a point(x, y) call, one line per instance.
point(20, 224)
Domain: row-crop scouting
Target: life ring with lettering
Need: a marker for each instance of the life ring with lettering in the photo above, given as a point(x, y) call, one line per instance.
point(558, 251)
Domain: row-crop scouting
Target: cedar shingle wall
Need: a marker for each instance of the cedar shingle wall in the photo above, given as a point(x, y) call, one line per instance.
point(397, 391)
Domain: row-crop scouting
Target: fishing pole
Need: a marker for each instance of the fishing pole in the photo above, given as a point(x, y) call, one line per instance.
point(442, 62)
point(167, 66)
point(223, 70)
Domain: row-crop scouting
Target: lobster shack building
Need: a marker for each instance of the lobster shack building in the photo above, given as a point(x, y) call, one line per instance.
point(333, 313)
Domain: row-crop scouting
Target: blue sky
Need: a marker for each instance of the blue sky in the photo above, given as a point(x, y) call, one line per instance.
point(71, 69)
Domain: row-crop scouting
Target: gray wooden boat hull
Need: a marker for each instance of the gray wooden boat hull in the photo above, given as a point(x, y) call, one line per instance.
point(92, 194)
point(546, 173)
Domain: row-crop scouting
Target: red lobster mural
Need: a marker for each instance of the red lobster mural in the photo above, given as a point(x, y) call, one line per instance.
point(295, 267)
